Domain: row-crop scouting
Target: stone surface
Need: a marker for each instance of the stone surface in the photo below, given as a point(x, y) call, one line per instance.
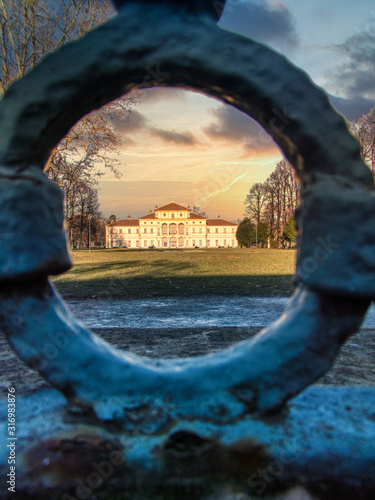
point(325, 447)
point(354, 364)
point(32, 239)
point(336, 248)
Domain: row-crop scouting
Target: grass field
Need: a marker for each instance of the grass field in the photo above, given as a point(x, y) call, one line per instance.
point(150, 273)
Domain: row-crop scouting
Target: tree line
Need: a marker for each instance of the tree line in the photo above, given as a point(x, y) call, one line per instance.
point(270, 205)
point(30, 29)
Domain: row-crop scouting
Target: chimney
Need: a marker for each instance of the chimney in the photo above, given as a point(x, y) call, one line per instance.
point(218, 216)
point(150, 211)
point(129, 217)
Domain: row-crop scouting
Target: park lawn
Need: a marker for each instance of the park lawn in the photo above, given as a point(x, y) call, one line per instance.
point(122, 273)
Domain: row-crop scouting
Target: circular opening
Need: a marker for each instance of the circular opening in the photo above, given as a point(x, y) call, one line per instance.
point(189, 149)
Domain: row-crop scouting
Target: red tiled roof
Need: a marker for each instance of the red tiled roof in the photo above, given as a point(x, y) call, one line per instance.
point(172, 206)
point(124, 222)
point(148, 216)
point(219, 222)
point(196, 216)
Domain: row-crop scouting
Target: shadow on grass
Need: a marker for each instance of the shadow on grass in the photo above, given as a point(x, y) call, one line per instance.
point(148, 286)
point(104, 267)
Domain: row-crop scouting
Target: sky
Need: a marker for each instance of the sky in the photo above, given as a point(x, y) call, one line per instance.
point(194, 150)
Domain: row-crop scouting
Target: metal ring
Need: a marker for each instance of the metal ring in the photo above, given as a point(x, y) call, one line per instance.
point(191, 52)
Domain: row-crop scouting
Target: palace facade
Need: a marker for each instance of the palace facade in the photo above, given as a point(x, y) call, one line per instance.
point(171, 226)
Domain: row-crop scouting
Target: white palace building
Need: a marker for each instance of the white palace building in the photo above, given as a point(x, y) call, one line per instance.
point(171, 226)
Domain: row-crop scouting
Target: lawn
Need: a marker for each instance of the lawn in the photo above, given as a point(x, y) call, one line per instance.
point(150, 273)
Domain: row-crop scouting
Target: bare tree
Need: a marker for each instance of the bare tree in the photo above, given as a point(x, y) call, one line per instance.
point(84, 219)
point(364, 131)
point(255, 202)
point(275, 200)
point(29, 29)
point(283, 191)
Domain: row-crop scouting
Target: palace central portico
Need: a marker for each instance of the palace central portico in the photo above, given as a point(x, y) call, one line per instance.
point(171, 226)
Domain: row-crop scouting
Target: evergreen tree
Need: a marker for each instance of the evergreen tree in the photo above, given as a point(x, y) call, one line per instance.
point(245, 233)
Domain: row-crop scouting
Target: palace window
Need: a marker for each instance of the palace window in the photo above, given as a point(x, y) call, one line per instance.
point(164, 228)
point(181, 229)
point(208, 229)
point(217, 243)
point(129, 230)
point(217, 230)
point(172, 216)
point(172, 229)
point(145, 230)
point(225, 229)
point(120, 231)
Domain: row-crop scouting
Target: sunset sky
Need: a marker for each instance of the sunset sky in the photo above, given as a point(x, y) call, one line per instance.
point(194, 150)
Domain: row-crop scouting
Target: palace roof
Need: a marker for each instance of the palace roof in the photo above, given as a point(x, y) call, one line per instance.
point(125, 222)
point(219, 222)
point(148, 216)
point(172, 206)
point(196, 216)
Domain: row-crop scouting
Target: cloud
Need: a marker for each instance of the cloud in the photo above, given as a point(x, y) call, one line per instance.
point(267, 22)
point(133, 122)
point(355, 77)
point(354, 107)
point(186, 138)
point(233, 125)
point(137, 122)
